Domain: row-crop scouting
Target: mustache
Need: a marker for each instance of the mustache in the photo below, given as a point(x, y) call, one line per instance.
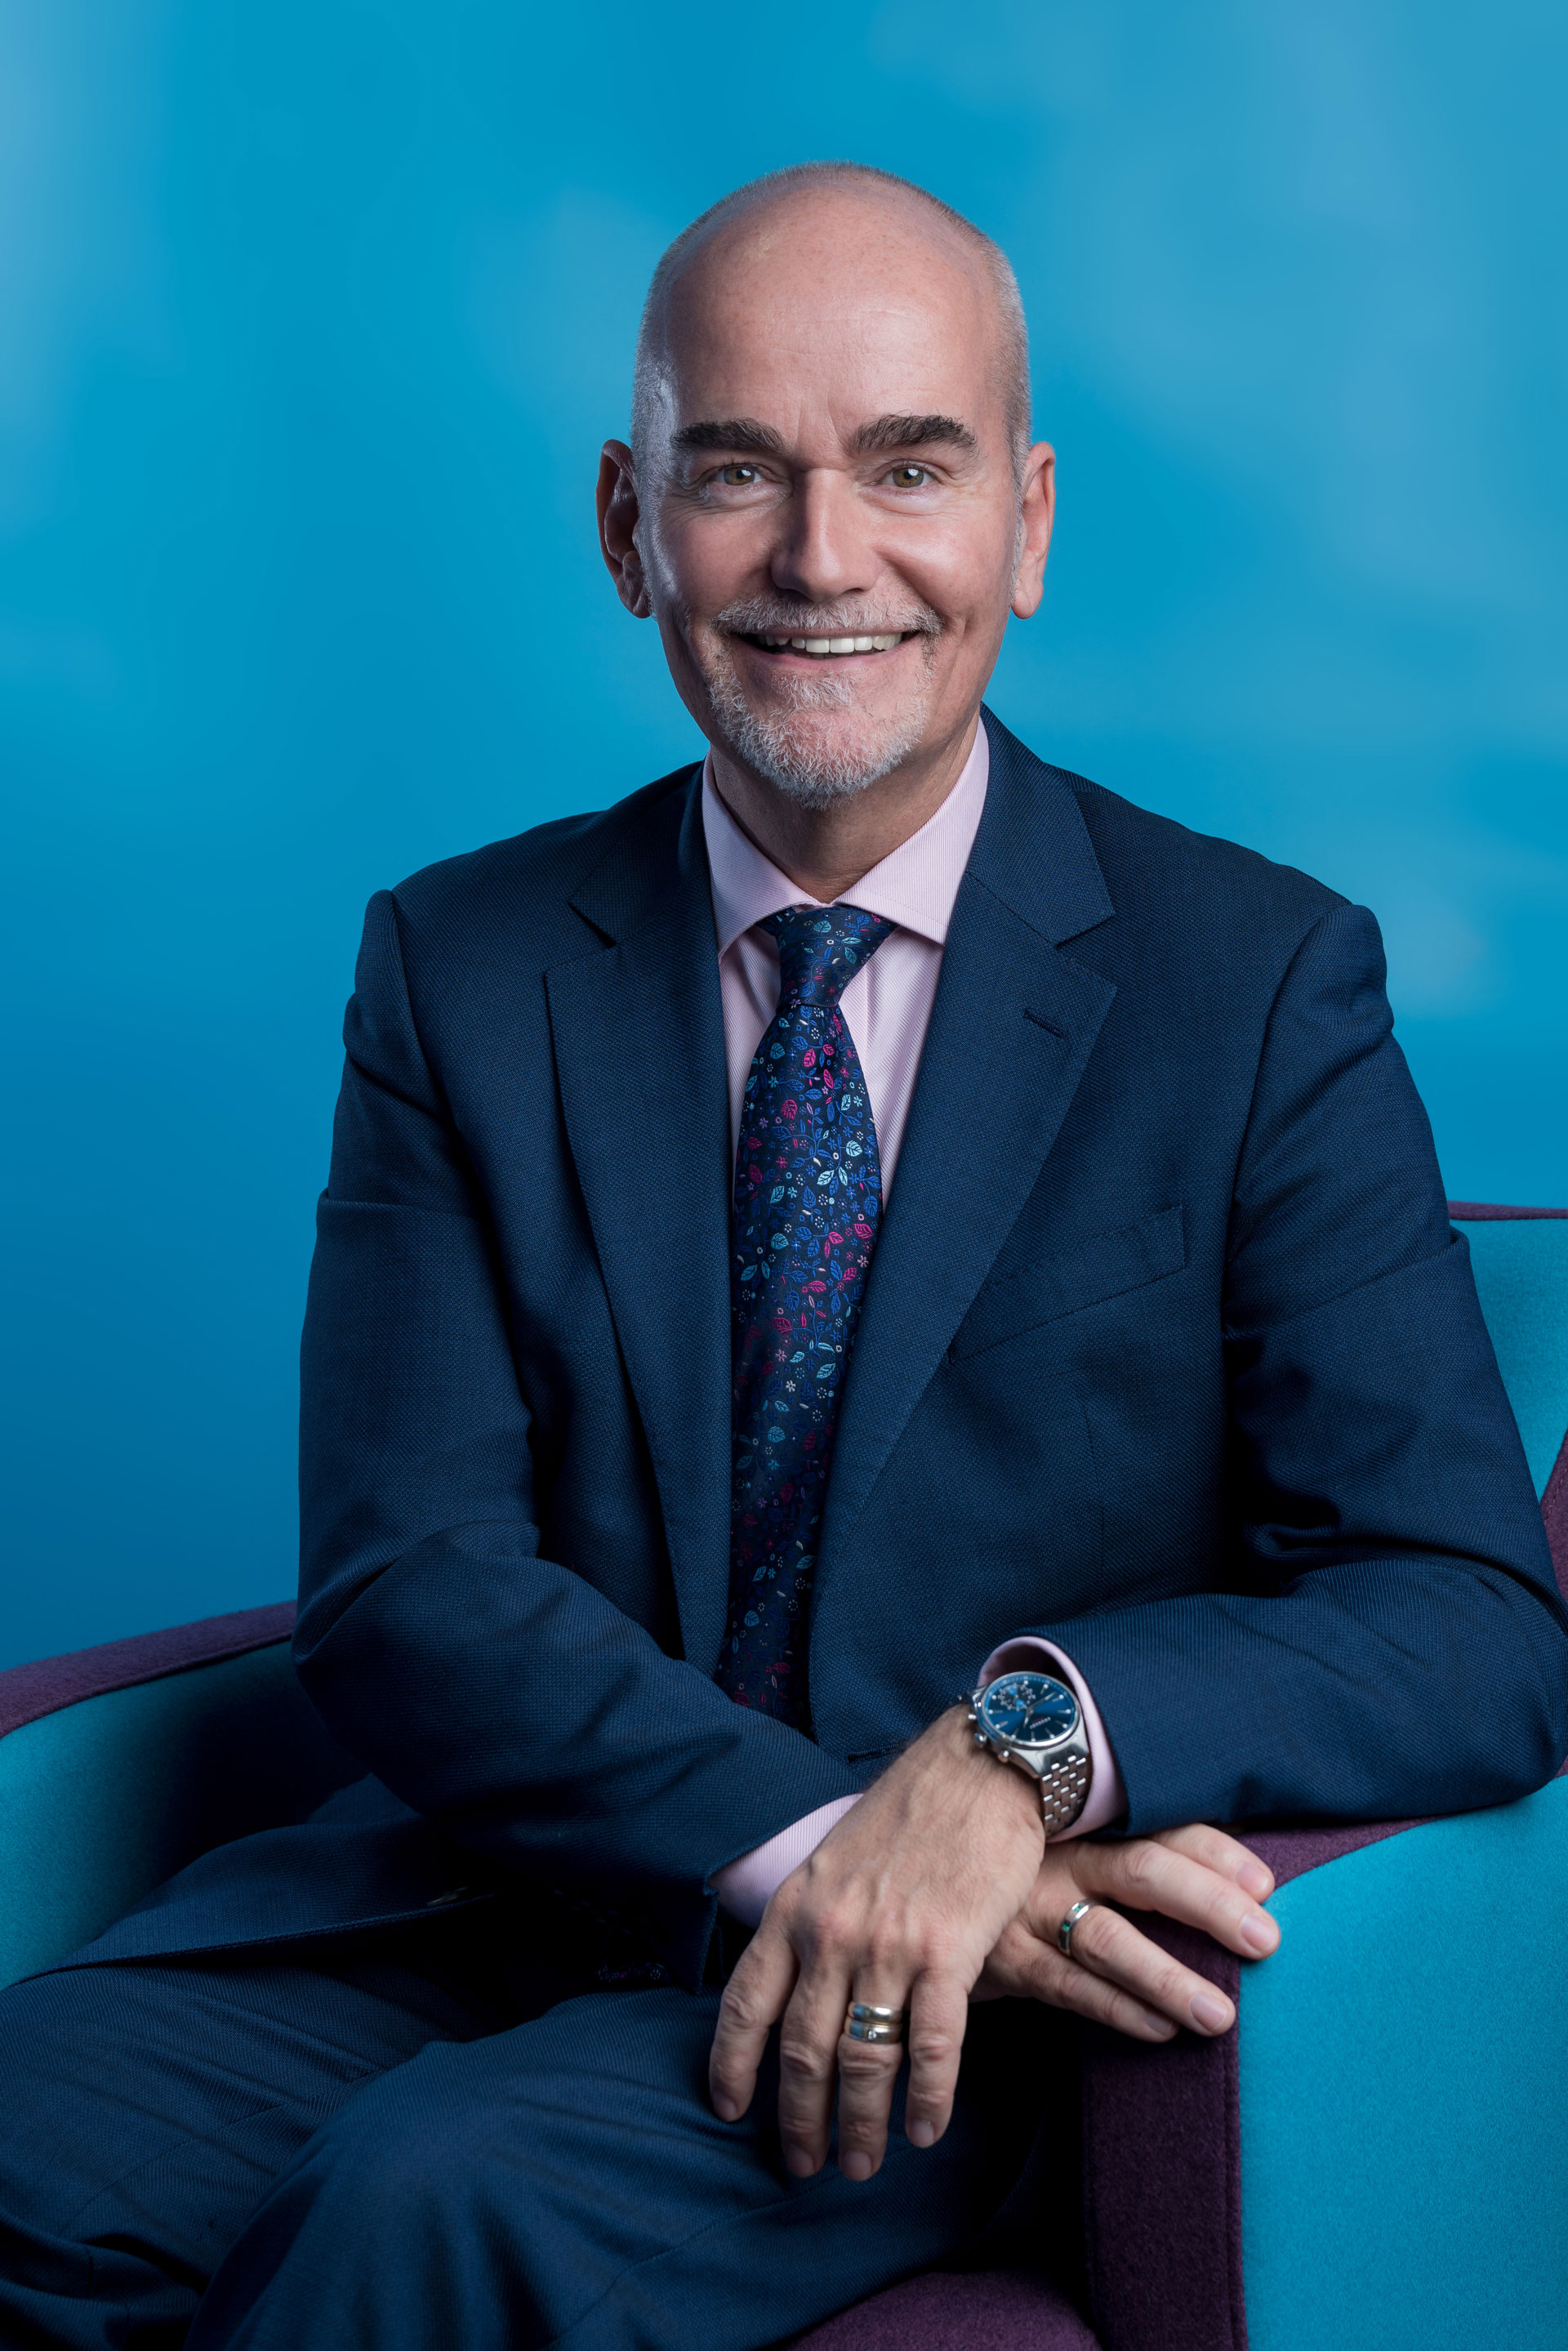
point(780, 616)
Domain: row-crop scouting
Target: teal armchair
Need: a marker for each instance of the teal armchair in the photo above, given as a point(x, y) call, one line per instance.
point(1376, 2158)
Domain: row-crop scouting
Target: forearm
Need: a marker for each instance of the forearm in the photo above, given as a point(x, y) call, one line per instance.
point(503, 1698)
point(1374, 1689)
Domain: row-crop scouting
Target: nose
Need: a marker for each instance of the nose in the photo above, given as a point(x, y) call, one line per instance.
point(824, 551)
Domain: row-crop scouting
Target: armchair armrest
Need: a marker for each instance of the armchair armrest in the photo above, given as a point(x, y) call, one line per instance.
point(1378, 2152)
point(120, 1764)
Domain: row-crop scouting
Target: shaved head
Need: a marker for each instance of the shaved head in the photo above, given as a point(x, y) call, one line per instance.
point(778, 191)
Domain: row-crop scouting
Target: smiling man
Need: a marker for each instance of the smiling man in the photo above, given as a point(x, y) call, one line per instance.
point(869, 1215)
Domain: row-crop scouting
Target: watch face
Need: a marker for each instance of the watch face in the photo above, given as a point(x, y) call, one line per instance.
point(1029, 1710)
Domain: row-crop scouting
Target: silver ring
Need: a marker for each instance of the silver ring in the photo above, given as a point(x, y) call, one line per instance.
point(1065, 1931)
point(881, 2025)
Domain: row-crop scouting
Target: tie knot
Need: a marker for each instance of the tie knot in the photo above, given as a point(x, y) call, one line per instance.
point(820, 948)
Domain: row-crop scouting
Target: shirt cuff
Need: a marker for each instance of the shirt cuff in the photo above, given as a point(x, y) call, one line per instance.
point(745, 1887)
point(1107, 1797)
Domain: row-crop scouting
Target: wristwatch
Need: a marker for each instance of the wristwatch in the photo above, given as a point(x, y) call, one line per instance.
point(1034, 1720)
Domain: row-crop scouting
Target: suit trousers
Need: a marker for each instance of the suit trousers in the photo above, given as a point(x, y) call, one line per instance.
point(414, 2139)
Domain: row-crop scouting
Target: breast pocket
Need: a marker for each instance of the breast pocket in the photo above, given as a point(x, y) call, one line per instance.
point(1105, 1264)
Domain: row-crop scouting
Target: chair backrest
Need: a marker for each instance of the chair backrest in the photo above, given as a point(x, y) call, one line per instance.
point(1520, 1257)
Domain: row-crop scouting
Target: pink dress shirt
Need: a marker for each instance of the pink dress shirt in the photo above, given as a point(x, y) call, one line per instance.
point(887, 1008)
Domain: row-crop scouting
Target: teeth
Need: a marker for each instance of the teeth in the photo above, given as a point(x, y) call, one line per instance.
point(823, 646)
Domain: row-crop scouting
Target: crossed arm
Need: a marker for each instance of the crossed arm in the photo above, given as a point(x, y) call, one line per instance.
point(937, 1889)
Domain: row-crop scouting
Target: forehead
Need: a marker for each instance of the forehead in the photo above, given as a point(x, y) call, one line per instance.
point(818, 314)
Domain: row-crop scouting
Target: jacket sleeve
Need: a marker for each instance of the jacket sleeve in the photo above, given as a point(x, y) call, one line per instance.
point(494, 1691)
point(1386, 1639)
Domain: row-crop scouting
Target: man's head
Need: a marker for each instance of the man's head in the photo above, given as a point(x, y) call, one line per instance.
point(830, 445)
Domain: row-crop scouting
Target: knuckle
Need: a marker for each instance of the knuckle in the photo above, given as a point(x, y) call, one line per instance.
point(932, 2047)
point(1097, 1934)
point(832, 1929)
point(860, 2065)
point(1143, 1863)
point(739, 2008)
point(1172, 1987)
point(803, 2058)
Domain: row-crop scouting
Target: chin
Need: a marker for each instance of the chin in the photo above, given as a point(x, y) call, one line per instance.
point(819, 754)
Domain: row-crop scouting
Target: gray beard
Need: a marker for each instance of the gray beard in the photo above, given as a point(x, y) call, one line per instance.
point(812, 772)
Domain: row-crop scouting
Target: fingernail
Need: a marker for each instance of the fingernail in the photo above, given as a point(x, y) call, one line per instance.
point(726, 2109)
point(854, 2165)
point(1259, 1934)
point(1253, 1878)
point(1208, 2013)
point(797, 2161)
point(921, 2133)
point(1160, 2026)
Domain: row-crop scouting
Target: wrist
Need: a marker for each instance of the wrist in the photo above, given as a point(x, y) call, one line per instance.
point(1004, 1791)
point(1033, 1725)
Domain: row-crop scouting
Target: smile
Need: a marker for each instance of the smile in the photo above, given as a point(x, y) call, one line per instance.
point(823, 648)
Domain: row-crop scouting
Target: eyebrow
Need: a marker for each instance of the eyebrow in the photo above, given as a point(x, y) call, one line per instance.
point(885, 433)
point(878, 438)
point(731, 433)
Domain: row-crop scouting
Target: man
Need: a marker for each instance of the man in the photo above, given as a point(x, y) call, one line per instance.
point(867, 1217)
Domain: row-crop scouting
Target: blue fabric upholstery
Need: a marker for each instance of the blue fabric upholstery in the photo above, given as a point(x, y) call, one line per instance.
point(1521, 1268)
point(102, 1800)
point(1404, 2087)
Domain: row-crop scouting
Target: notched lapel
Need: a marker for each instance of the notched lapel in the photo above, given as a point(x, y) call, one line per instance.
point(638, 1029)
point(1012, 1029)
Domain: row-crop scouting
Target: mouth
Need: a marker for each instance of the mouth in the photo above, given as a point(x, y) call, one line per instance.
point(827, 648)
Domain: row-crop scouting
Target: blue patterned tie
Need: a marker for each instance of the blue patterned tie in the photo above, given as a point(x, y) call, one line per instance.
point(809, 1198)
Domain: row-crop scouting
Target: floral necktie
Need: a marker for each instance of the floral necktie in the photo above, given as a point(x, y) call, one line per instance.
point(808, 1199)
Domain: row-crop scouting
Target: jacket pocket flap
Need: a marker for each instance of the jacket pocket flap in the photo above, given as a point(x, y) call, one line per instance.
point(1103, 1265)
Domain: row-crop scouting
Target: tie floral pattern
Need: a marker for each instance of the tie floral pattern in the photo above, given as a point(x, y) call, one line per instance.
point(807, 1203)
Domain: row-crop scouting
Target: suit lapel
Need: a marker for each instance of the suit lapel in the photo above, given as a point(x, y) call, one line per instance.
point(1012, 1029)
point(638, 1029)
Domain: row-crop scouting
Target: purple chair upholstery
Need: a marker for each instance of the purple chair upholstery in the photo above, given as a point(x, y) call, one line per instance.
point(1162, 2125)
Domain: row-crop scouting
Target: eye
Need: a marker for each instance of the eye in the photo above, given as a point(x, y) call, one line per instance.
point(909, 477)
point(738, 478)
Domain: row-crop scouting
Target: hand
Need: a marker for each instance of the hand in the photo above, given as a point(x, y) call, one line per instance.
point(1117, 1975)
point(900, 1905)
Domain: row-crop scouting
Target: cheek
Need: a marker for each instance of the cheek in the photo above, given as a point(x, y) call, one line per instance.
point(962, 570)
point(707, 560)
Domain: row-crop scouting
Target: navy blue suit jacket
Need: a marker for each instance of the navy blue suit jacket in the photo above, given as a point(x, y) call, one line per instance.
point(1168, 1351)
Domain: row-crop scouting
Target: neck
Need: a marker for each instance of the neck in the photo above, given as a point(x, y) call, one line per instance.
point(825, 851)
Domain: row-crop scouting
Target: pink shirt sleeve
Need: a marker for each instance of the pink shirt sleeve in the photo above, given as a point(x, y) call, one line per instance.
point(745, 1887)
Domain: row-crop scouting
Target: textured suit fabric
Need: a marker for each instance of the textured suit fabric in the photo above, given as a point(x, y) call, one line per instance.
point(1198, 1386)
point(428, 2138)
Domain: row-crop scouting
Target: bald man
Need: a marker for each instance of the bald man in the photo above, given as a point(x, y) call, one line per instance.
point(870, 1216)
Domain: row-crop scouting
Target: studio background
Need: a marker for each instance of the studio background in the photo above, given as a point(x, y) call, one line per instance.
point(312, 319)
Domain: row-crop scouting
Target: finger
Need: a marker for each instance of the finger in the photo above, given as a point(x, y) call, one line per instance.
point(1105, 1944)
point(1148, 1875)
point(868, 2072)
point(752, 2002)
point(808, 2064)
point(1035, 1971)
point(938, 2015)
point(1224, 1854)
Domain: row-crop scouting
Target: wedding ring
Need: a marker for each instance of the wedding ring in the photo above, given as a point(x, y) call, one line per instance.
point(865, 2022)
point(1065, 1931)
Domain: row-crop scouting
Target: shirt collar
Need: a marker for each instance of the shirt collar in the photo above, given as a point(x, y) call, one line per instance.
point(915, 886)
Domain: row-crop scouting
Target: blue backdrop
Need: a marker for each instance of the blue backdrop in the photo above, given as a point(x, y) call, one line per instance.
point(312, 317)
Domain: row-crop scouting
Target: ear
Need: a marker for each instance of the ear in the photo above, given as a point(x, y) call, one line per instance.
point(1037, 512)
point(618, 513)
